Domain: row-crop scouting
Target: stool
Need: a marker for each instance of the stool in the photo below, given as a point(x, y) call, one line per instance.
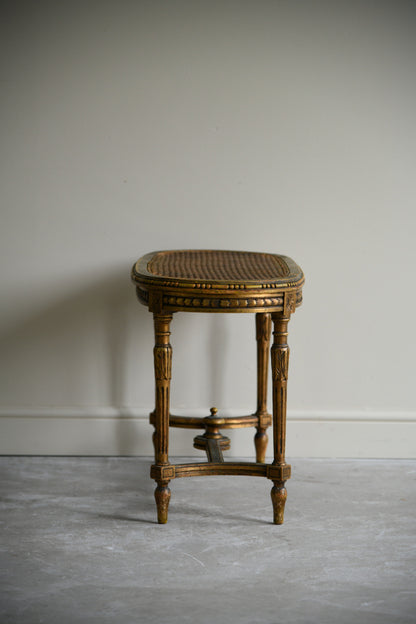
point(269, 285)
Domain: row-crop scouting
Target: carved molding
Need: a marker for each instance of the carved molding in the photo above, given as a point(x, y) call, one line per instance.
point(290, 300)
point(166, 283)
point(163, 361)
point(280, 363)
point(289, 305)
point(208, 303)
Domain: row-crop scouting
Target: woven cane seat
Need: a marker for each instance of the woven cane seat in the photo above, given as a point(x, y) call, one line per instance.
point(226, 266)
point(217, 281)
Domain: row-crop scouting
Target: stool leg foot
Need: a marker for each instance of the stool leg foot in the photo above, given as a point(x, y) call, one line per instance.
point(279, 496)
point(162, 497)
point(260, 442)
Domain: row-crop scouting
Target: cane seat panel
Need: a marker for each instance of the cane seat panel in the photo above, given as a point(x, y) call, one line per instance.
point(227, 266)
point(217, 280)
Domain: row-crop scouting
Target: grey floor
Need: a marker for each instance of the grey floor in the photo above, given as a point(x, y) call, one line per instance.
point(80, 544)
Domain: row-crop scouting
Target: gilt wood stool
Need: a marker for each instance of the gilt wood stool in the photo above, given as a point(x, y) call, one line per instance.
point(269, 285)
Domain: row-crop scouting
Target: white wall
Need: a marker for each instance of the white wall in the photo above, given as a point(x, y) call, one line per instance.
point(272, 126)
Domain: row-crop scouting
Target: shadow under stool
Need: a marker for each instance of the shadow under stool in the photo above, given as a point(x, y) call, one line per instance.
point(268, 285)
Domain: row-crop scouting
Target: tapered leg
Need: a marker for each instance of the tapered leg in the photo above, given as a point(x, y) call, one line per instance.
point(279, 496)
point(162, 497)
point(280, 364)
point(163, 368)
point(263, 329)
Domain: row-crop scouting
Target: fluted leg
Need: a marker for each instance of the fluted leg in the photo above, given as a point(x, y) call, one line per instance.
point(163, 367)
point(280, 364)
point(263, 329)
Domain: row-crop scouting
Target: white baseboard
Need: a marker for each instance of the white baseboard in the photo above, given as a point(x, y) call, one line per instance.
point(111, 431)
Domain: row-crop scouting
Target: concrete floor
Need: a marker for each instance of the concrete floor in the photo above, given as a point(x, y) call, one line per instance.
point(80, 544)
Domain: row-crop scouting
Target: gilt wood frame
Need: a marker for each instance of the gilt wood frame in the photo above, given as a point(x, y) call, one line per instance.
point(273, 300)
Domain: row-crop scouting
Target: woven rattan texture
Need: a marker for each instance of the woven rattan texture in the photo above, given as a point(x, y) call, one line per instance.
point(218, 265)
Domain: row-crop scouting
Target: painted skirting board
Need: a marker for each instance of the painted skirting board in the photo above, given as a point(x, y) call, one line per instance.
point(111, 431)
